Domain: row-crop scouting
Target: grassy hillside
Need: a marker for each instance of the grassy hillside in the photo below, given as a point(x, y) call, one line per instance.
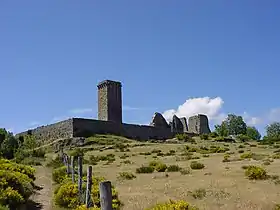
point(206, 173)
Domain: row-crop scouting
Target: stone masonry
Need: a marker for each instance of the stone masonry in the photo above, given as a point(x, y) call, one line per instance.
point(199, 124)
point(110, 121)
point(110, 101)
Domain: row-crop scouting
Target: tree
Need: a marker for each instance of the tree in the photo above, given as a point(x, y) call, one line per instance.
point(222, 129)
point(253, 133)
point(232, 125)
point(8, 144)
point(273, 130)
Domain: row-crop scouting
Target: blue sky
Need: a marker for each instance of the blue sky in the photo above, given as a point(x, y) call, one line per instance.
point(214, 57)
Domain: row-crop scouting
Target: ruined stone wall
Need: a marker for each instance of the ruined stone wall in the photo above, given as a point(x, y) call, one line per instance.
point(63, 129)
point(198, 124)
point(88, 127)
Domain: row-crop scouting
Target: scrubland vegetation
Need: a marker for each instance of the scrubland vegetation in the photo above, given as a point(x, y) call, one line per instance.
point(230, 168)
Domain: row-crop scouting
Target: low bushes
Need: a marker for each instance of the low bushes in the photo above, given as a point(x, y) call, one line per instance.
point(16, 184)
point(66, 195)
point(175, 205)
point(255, 172)
point(196, 165)
point(126, 175)
point(145, 170)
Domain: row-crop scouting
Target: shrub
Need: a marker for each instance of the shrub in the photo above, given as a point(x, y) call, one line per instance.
point(243, 138)
point(246, 155)
point(145, 170)
point(175, 205)
point(184, 137)
point(31, 161)
point(241, 146)
point(55, 163)
point(67, 195)
point(126, 162)
point(185, 171)
point(76, 153)
point(124, 156)
point(14, 167)
point(204, 136)
point(241, 151)
point(59, 174)
point(173, 168)
point(276, 156)
point(255, 172)
point(161, 167)
point(16, 183)
point(126, 175)
point(199, 193)
point(226, 158)
point(213, 134)
point(196, 165)
point(4, 207)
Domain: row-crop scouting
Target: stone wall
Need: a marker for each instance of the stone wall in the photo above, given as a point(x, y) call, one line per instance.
point(79, 127)
point(63, 129)
point(88, 127)
point(198, 124)
point(110, 101)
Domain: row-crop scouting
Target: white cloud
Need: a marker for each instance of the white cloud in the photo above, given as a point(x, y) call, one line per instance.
point(205, 105)
point(251, 120)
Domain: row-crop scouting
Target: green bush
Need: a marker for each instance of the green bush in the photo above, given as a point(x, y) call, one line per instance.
point(126, 175)
point(243, 138)
point(161, 167)
point(196, 165)
point(55, 163)
point(59, 174)
point(67, 195)
point(246, 155)
point(174, 205)
point(14, 167)
point(255, 172)
point(76, 153)
point(16, 183)
point(173, 168)
point(213, 134)
point(184, 137)
point(4, 207)
point(145, 169)
point(204, 136)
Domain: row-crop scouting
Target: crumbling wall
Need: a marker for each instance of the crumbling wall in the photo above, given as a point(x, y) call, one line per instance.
point(199, 124)
point(63, 129)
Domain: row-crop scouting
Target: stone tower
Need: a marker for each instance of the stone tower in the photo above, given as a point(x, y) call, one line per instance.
point(199, 124)
point(110, 101)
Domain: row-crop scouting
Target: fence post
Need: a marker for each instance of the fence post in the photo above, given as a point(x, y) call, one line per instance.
point(80, 175)
point(105, 189)
point(67, 164)
point(73, 168)
point(89, 184)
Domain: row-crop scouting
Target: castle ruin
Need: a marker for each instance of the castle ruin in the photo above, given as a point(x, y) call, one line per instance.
point(110, 121)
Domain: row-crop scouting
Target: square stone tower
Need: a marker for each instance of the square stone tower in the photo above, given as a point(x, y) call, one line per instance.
point(110, 101)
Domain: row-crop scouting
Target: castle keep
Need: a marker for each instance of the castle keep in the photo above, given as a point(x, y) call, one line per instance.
point(110, 121)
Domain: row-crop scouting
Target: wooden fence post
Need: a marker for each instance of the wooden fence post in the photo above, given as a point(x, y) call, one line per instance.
point(105, 189)
point(67, 164)
point(73, 168)
point(89, 184)
point(80, 175)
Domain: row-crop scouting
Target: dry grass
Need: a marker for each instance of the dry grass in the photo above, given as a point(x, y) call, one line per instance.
point(220, 185)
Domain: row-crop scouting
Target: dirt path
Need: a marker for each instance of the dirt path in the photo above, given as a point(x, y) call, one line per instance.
point(43, 197)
